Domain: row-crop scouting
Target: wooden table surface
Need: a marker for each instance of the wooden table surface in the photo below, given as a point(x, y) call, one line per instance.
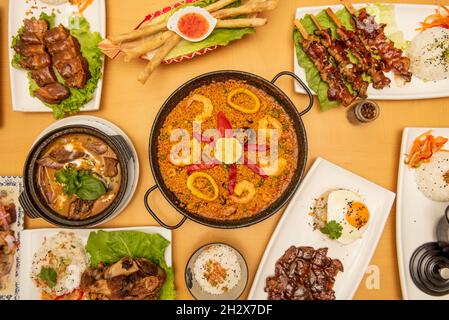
point(371, 151)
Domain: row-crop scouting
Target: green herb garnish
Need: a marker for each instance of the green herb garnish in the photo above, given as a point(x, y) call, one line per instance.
point(333, 229)
point(446, 55)
point(80, 183)
point(48, 275)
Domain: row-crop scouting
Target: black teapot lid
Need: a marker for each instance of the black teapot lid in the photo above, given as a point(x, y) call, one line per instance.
point(429, 269)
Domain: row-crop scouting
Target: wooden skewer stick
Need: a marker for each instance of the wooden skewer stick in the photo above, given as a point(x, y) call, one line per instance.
point(349, 7)
point(301, 29)
point(333, 17)
point(315, 21)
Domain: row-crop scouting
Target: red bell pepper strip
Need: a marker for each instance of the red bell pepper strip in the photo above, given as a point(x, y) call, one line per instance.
point(232, 178)
point(202, 138)
point(256, 147)
point(77, 294)
point(223, 124)
point(258, 170)
point(200, 167)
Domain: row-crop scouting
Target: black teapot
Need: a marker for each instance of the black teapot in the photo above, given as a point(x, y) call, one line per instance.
point(429, 265)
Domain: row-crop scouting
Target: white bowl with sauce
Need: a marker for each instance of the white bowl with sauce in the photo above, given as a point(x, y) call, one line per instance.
point(192, 23)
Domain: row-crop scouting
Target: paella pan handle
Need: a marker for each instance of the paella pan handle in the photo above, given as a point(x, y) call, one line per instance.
point(305, 87)
point(147, 206)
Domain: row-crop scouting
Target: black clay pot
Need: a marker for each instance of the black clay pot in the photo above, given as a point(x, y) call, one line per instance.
point(271, 89)
point(34, 203)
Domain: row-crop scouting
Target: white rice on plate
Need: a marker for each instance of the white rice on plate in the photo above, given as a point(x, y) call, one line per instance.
point(432, 177)
point(217, 269)
point(65, 254)
point(429, 54)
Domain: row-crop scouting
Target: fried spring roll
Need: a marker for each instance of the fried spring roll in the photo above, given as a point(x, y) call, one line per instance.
point(255, 7)
point(145, 31)
point(152, 43)
point(159, 56)
point(241, 23)
point(218, 5)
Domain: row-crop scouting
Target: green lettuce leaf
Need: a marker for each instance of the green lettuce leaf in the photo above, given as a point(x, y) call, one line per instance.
point(79, 28)
point(313, 77)
point(385, 13)
point(219, 37)
point(110, 247)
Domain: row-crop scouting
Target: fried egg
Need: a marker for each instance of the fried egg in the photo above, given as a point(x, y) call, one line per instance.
point(347, 209)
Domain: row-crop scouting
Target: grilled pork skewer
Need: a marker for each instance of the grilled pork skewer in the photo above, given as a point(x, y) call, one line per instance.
point(366, 61)
point(351, 72)
point(328, 72)
point(373, 36)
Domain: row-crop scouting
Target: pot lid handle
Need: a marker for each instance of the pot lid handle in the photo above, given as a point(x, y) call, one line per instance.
point(305, 87)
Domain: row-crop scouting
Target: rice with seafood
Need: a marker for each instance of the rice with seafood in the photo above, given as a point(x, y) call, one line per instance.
point(225, 189)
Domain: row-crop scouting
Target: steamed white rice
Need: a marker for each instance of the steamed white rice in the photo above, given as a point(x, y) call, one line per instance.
point(227, 259)
point(431, 179)
point(65, 254)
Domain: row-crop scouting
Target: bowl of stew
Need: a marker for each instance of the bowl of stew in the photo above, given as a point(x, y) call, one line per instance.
point(210, 159)
point(76, 176)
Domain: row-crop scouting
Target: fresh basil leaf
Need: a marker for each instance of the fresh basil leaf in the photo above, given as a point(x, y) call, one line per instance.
point(80, 183)
point(49, 276)
point(91, 188)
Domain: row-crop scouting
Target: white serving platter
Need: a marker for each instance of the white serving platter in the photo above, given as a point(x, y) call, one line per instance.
point(31, 241)
point(13, 186)
point(408, 17)
point(21, 99)
point(295, 228)
point(416, 216)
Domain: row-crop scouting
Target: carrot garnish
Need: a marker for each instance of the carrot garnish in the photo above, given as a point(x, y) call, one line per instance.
point(439, 19)
point(423, 149)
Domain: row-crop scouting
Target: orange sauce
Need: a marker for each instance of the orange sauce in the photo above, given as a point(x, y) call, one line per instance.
point(193, 25)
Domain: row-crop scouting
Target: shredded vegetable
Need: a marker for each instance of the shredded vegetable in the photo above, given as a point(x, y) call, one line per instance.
point(81, 4)
point(439, 19)
point(423, 148)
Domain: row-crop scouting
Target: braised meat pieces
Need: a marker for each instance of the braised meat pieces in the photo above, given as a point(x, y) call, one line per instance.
point(66, 56)
point(303, 273)
point(127, 279)
point(42, 49)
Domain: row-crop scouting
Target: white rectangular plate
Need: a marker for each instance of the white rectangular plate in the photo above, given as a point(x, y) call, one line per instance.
point(416, 216)
point(295, 228)
point(13, 186)
point(21, 99)
point(408, 17)
point(31, 241)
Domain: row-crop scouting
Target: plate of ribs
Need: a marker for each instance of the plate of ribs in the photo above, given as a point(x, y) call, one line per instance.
point(51, 69)
point(362, 51)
